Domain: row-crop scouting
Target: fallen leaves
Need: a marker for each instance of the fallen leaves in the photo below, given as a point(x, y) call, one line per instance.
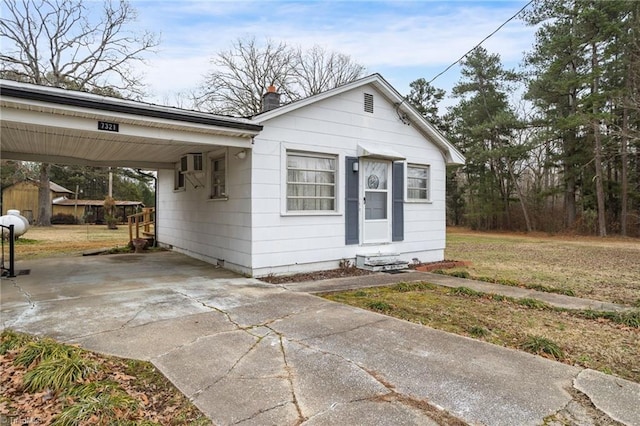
point(153, 400)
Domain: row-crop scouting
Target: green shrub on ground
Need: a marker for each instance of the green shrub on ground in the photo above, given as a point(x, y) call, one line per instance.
point(465, 291)
point(413, 286)
point(533, 303)
point(379, 306)
point(10, 340)
point(540, 345)
point(59, 373)
point(39, 350)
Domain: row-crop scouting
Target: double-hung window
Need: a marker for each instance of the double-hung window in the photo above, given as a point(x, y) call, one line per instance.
point(418, 183)
point(311, 182)
point(218, 176)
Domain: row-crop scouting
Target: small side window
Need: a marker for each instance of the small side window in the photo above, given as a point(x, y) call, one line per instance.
point(178, 179)
point(218, 176)
point(418, 183)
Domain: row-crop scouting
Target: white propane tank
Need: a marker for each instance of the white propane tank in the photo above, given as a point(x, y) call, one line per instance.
point(24, 219)
point(20, 224)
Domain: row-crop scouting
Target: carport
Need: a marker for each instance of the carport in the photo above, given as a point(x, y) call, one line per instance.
point(53, 125)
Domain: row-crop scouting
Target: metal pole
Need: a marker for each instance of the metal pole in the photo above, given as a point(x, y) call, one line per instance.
point(12, 260)
point(110, 183)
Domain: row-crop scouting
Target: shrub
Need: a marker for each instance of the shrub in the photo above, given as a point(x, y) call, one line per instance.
point(64, 219)
point(108, 405)
point(465, 291)
point(42, 349)
point(478, 331)
point(379, 306)
point(10, 340)
point(628, 318)
point(459, 274)
point(532, 303)
point(58, 373)
point(541, 345)
point(415, 286)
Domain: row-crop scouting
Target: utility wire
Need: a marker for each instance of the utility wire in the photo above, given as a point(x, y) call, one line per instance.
point(483, 40)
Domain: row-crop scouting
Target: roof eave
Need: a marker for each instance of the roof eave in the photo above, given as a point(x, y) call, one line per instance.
point(10, 89)
point(452, 155)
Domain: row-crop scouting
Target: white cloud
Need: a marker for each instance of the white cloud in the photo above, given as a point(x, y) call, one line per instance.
point(393, 38)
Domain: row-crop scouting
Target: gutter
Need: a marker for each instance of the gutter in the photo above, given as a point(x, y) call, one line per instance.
point(124, 106)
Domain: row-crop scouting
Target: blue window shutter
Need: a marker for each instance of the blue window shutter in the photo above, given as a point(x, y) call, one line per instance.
point(397, 218)
point(352, 200)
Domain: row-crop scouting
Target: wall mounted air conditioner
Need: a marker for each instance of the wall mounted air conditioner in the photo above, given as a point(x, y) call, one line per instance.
point(192, 163)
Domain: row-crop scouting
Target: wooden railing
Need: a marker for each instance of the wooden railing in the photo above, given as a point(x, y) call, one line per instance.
point(144, 224)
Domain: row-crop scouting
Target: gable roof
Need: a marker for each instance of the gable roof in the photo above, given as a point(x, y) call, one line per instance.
point(58, 188)
point(452, 154)
point(54, 187)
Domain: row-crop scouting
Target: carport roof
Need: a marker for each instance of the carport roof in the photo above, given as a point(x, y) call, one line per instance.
point(50, 124)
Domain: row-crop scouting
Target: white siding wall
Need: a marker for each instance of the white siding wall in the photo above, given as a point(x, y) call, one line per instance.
point(285, 243)
point(210, 230)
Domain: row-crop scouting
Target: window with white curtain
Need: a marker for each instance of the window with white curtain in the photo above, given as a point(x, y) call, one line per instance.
point(218, 176)
point(311, 182)
point(418, 182)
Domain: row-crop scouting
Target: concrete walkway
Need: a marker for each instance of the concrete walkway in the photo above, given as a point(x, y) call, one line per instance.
point(251, 353)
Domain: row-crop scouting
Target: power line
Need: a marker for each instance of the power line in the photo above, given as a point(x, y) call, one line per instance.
point(483, 40)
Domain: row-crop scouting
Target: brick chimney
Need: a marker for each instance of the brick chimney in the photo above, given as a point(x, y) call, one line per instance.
point(271, 99)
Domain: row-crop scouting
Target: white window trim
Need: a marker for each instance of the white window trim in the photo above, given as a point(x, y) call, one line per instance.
point(339, 180)
point(428, 200)
point(213, 155)
point(176, 171)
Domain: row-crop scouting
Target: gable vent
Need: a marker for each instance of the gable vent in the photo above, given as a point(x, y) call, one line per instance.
point(368, 102)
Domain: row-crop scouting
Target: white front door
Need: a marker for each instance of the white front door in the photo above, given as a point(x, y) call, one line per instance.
point(376, 201)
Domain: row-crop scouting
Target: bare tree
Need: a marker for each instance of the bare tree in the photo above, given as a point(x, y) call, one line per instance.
point(60, 43)
point(319, 70)
point(55, 43)
point(243, 74)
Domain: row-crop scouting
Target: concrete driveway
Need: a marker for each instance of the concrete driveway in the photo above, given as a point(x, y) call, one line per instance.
point(251, 353)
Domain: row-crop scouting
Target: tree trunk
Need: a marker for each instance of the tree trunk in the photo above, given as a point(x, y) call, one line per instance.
point(602, 222)
point(44, 196)
point(521, 197)
point(624, 158)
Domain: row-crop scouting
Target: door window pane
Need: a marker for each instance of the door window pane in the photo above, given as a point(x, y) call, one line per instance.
point(375, 205)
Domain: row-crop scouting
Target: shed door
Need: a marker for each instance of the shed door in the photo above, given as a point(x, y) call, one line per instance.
point(376, 201)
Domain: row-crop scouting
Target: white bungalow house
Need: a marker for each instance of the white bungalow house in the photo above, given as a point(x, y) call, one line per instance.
point(350, 173)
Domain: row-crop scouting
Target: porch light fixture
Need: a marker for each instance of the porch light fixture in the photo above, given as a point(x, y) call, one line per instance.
point(355, 166)
point(241, 155)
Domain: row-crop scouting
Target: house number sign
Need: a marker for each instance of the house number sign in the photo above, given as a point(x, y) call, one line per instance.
point(108, 126)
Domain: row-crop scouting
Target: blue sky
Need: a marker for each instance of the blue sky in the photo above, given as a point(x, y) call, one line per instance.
point(401, 40)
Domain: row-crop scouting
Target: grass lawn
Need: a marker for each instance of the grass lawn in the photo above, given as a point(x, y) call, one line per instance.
point(64, 240)
point(607, 269)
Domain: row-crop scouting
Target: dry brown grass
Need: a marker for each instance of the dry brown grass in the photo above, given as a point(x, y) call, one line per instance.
point(596, 343)
point(61, 240)
point(602, 269)
point(606, 269)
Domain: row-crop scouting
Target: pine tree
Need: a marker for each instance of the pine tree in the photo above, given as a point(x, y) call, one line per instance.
point(482, 125)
